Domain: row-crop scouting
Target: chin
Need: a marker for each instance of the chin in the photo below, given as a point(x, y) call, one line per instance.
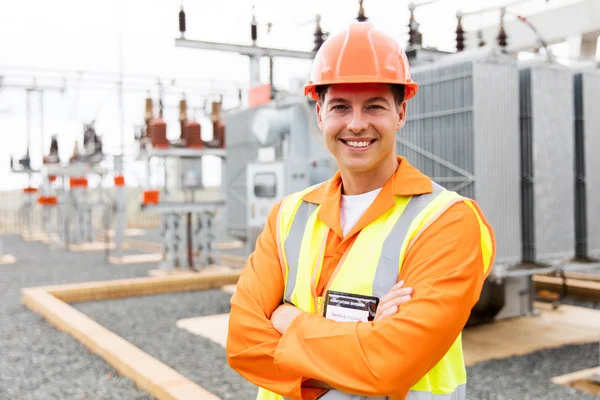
point(358, 165)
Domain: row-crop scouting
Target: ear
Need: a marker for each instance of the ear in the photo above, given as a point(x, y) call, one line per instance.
point(319, 119)
point(401, 116)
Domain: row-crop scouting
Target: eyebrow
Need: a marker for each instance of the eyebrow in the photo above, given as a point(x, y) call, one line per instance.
point(371, 100)
point(377, 99)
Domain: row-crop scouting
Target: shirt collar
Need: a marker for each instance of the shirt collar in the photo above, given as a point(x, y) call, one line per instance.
point(406, 181)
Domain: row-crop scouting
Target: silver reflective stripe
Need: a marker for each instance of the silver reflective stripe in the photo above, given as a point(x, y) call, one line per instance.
point(459, 394)
point(292, 245)
point(388, 266)
point(337, 395)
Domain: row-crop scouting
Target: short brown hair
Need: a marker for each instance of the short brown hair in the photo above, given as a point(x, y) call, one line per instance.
point(397, 92)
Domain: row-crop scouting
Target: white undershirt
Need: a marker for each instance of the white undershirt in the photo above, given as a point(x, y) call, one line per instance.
point(353, 207)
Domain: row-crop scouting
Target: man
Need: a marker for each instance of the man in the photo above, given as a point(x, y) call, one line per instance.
point(320, 311)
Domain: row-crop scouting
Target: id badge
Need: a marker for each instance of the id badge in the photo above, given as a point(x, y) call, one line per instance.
point(348, 307)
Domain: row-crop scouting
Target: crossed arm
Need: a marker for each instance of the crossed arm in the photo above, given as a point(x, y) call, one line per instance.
point(385, 357)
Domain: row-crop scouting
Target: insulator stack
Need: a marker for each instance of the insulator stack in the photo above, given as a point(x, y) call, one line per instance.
point(219, 133)
point(502, 42)
point(460, 35)
point(253, 27)
point(157, 133)
point(319, 36)
point(502, 37)
point(193, 134)
point(361, 12)
point(148, 115)
point(182, 117)
point(182, 21)
point(183, 110)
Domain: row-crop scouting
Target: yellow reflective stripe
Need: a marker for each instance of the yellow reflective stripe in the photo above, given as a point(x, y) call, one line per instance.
point(486, 239)
point(264, 394)
point(423, 218)
point(448, 374)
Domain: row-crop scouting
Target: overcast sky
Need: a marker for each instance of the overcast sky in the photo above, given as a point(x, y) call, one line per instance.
point(138, 35)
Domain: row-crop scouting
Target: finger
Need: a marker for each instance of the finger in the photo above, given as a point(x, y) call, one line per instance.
point(394, 302)
point(400, 300)
point(396, 293)
point(388, 312)
point(391, 304)
point(393, 290)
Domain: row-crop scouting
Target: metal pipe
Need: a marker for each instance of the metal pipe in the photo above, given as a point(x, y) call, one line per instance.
point(242, 49)
point(28, 91)
point(42, 127)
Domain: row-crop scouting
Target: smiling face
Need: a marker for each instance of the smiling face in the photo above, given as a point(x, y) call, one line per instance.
point(359, 124)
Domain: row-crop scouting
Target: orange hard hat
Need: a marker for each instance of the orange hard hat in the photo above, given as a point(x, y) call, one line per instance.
point(360, 54)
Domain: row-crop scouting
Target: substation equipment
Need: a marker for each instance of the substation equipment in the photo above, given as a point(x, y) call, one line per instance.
point(189, 224)
point(63, 199)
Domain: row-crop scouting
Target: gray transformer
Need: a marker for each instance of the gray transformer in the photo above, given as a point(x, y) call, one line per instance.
point(548, 178)
point(462, 130)
point(587, 163)
point(287, 129)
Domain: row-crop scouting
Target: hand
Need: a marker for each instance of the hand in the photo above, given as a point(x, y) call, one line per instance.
point(283, 317)
point(388, 305)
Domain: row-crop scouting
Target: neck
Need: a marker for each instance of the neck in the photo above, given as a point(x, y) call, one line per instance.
point(359, 182)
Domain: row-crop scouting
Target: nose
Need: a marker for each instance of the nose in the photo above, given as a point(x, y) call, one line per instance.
point(358, 122)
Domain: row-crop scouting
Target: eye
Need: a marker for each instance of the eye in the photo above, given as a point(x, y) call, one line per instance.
point(376, 107)
point(339, 107)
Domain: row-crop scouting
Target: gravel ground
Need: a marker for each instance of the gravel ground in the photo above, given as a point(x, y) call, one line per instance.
point(527, 377)
point(581, 303)
point(149, 323)
point(37, 361)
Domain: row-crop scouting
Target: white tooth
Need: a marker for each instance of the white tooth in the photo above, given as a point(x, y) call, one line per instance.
point(358, 144)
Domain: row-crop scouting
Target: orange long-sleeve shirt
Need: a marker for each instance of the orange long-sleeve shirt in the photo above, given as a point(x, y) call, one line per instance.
point(444, 267)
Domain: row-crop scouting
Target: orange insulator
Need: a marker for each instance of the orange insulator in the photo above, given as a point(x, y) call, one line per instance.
point(51, 178)
point(48, 200)
point(78, 182)
point(193, 134)
point(151, 197)
point(157, 133)
point(30, 190)
point(119, 180)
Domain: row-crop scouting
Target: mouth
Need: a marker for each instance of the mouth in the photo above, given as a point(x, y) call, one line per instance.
point(358, 145)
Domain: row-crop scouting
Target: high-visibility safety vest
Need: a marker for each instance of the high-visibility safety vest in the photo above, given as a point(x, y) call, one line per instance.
point(371, 266)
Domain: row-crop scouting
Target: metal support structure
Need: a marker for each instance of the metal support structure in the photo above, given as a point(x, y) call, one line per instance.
point(120, 209)
point(41, 125)
point(187, 226)
point(252, 51)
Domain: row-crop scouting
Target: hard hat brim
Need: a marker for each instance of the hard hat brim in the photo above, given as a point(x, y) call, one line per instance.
point(410, 88)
